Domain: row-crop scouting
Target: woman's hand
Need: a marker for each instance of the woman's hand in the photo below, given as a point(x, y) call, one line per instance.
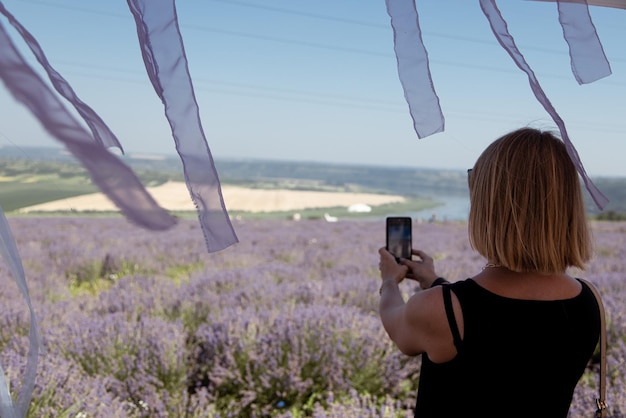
point(422, 270)
point(389, 267)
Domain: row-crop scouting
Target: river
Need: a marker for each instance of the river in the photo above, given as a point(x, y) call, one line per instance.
point(454, 208)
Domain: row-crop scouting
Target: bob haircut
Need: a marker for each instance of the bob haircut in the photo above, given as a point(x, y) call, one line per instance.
point(527, 211)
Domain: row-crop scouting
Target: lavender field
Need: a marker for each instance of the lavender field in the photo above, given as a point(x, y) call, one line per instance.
point(284, 324)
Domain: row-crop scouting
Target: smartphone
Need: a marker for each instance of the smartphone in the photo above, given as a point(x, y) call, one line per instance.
point(399, 236)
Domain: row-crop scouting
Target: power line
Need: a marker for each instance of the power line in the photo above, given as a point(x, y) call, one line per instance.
point(80, 9)
point(275, 94)
point(256, 36)
point(238, 85)
point(340, 101)
point(286, 94)
point(491, 42)
point(304, 14)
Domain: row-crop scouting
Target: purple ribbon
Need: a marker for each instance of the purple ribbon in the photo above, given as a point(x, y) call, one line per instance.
point(116, 180)
point(587, 60)
point(11, 257)
point(99, 129)
point(617, 4)
point(500, 30)
point(587, 56)
point(413, 68)
point(164, 57)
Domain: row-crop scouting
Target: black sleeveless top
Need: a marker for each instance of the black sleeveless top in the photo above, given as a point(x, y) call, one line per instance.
point(518, 358)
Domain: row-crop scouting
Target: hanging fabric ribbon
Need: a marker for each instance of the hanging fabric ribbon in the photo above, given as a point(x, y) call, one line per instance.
point(116, 180)
point(11, 257)
point(587, 56)
point(99, 129)
point(413, 68)
point(164, 57)
point(617, 4)
point(500, 30)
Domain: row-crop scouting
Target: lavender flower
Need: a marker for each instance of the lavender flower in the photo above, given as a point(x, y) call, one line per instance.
point(283, 324)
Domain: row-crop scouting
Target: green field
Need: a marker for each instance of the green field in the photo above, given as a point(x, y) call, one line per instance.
point(50, 176)
point(15, 194)
point(25, 183)
point(410, 205)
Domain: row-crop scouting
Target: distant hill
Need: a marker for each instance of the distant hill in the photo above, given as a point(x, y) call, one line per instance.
point(615, 189)
point(308, 175)
point(411, 182)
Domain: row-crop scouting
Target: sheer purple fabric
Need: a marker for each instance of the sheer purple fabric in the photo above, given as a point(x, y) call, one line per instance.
point(588, 60)
point(99, 129)
point(500, 30)
point(11, 257)
point(413, 68)
point(617, 4)
point(114, 178)
point(164, 56)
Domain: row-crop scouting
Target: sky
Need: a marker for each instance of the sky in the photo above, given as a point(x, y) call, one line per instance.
point(317, 80)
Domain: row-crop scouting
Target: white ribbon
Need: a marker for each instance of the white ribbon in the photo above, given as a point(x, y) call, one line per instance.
point(8, 409)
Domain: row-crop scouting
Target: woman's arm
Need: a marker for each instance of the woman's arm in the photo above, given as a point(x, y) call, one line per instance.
point(411, 325)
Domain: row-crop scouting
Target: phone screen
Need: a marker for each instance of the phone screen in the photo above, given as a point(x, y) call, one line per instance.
point(399, 236)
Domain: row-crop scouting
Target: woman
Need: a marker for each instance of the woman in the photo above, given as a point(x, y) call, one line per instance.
point(513, 340)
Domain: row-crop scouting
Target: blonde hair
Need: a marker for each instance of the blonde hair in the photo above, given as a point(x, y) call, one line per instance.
point(527, 211)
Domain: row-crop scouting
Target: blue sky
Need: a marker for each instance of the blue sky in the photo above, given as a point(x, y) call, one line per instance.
point(317, 80)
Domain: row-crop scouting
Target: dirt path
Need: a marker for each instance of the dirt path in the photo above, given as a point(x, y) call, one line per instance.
point(175, 196)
